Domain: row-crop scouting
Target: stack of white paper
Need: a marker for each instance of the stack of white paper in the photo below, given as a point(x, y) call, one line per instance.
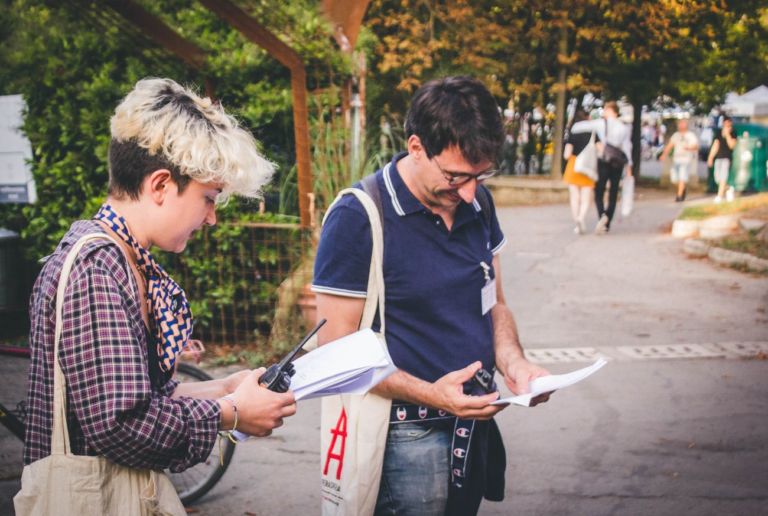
point(551, 383)
point(350, 365)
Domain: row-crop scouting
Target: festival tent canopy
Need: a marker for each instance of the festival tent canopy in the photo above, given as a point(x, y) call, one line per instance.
point(753, 104)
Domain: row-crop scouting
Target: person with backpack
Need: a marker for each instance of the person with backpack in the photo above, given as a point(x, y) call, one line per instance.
point(446, 314)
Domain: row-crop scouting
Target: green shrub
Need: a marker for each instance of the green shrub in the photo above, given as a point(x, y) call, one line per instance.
point(74, 61)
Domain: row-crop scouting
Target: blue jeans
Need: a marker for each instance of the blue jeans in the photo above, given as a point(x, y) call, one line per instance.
point(417, 469)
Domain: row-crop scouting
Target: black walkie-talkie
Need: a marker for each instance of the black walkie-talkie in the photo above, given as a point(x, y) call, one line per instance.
point(485, 379)
point(278, 377)
point(481, 383)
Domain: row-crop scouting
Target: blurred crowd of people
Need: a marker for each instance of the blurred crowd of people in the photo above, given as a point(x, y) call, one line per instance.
point(598, 160)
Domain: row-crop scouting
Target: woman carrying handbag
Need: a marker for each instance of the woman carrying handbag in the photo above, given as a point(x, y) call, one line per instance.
point(580, 172)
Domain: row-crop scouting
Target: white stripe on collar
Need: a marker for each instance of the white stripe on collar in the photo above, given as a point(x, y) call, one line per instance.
point(496, 250)
point(391, 189)
point(476, 205)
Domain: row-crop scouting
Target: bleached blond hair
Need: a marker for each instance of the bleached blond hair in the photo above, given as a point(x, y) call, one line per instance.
point(192, 134)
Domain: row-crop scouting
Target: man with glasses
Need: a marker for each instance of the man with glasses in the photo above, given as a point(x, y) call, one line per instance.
point(446, 315)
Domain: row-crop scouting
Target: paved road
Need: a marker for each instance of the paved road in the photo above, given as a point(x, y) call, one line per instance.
point(646, 435)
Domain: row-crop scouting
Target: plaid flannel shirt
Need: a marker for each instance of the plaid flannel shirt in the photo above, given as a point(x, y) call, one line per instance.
point(114, 409)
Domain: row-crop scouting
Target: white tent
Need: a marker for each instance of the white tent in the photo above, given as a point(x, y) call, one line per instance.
point(753, 104)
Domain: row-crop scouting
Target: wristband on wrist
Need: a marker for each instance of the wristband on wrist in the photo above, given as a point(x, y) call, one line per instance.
point(228, 434)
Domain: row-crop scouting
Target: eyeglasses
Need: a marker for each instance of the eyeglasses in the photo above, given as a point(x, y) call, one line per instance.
point(460, 178)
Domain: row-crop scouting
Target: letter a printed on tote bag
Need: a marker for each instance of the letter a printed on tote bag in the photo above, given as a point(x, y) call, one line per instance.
point(353, 428)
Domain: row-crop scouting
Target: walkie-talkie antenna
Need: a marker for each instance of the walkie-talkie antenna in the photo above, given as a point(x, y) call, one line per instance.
point(278, 377)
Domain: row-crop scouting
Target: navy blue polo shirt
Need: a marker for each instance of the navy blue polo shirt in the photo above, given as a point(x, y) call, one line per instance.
point(432, 276)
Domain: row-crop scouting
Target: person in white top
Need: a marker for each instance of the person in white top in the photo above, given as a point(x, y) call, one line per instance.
point(612, 131)
point(686, 147)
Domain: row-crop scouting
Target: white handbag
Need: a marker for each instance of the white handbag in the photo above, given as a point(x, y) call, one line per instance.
point(353, 427)
point(586, 160)
point(78, 485)
point(627, 195)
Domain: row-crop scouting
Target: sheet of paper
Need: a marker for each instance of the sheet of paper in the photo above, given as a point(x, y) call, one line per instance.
point(350, 365)
point(339, 360)
point(551, 383)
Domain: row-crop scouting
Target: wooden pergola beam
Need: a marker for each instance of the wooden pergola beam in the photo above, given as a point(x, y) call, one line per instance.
point(158, 31)
point(347, 15)
point(287, 56)
point(155, 29)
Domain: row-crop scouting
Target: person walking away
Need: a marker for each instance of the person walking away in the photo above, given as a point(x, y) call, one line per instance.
point(581, 185)
point(120, 323)
point(685, 147)
point(446, 315)
point(720, 156)
point(612, 132)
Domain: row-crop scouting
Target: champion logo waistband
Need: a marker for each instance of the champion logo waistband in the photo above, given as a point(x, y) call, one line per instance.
point(462, 434)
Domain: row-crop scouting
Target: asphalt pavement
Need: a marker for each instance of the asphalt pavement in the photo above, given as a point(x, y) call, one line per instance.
point(675, 423)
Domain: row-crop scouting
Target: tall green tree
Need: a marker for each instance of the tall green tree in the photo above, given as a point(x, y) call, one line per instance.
point(736, 58)
point(641, 50)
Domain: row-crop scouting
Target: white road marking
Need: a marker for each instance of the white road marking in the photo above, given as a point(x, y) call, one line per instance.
point(727, 350)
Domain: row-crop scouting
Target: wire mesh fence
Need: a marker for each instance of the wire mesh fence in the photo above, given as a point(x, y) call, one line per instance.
point(245, 282)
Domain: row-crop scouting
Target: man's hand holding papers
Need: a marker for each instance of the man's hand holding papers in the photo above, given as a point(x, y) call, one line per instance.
point(547, 384)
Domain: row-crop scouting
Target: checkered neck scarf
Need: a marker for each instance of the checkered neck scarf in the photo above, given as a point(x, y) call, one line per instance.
point(167, 302)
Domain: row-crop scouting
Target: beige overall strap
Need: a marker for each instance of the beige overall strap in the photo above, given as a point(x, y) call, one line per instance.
point(60, 437)
point(375, 292)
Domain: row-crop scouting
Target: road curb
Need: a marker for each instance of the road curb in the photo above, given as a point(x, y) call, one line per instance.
point(736, 259)
point(697, 248)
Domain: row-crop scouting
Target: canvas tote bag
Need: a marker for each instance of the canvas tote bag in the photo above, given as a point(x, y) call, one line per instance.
point(75, 485)
point(586, 160)
point(354, 427)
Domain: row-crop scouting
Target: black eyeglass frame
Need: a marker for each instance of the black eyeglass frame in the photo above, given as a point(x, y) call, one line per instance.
point(460, 178)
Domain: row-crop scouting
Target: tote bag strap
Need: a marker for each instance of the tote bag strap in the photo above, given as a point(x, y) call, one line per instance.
point(375, 292)
point(60, 437)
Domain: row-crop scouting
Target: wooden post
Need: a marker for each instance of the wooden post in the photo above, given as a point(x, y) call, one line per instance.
point(256, 33)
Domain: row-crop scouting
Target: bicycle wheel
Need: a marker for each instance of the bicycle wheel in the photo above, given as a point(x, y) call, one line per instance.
point(194, 482)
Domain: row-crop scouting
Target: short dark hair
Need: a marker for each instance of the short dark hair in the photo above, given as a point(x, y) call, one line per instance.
point(456, 111)
point(129, 164)
point(579, 115)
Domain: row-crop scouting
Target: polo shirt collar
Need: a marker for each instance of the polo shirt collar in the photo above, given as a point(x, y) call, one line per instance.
point(403, 201)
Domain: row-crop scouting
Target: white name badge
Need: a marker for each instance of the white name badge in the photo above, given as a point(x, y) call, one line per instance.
point(488, 296)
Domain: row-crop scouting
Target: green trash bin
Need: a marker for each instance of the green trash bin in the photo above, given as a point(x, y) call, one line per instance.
point(11, 271)
point(748, 168)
